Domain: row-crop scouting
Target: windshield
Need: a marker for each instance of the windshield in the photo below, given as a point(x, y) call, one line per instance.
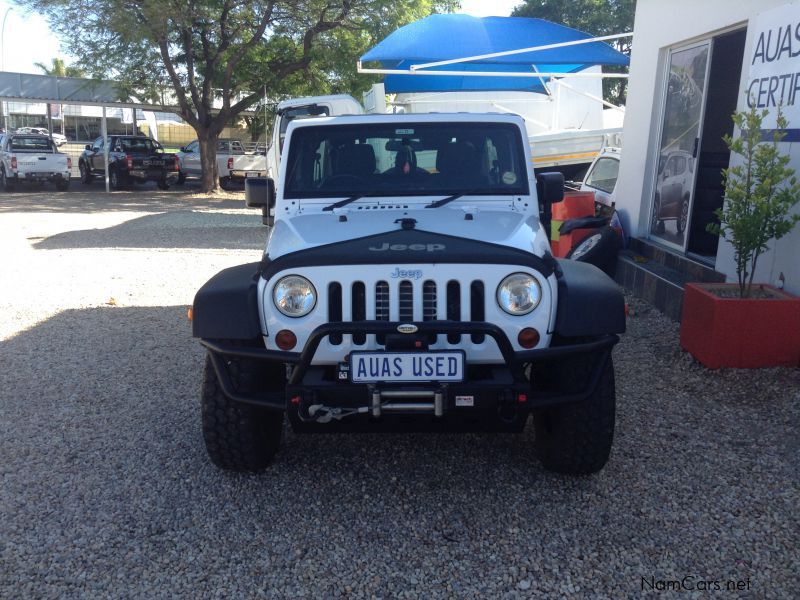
point(391, 159)
point(139, 145)
point(31, 144)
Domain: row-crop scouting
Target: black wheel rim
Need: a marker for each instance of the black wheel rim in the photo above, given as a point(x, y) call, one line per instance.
point(684, 214)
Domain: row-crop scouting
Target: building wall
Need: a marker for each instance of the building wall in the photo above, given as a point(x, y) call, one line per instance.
point(658, 26)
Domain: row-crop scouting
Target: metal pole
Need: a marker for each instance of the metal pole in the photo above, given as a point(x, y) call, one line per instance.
point(537, 75)
point(266, 138)
point(478, 57)
point(3, 36)
point(104, 130)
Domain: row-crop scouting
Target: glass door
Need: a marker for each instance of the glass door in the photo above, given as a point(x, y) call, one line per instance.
point(683, 106)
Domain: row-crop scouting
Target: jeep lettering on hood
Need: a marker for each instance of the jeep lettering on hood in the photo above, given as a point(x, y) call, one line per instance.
point(414, 247)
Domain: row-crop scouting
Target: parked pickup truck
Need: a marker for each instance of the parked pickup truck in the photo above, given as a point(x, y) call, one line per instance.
point(234, 163)
point(131, 159)
point(409, 279)
point(58, 138)
point(32, 159)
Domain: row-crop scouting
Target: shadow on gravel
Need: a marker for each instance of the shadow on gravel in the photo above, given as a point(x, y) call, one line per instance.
point(173, 229)
point(88, 200)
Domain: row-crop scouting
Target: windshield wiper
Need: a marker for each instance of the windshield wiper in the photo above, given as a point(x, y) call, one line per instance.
point(345, 202)
point(443, 201)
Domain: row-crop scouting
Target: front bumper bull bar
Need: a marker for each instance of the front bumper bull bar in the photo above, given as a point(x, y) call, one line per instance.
point(600, 347)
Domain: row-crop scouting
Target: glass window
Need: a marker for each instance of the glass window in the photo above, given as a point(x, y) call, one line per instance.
point(193, 147)
point(31, 144)
point(406, 158)
point(137, 144)
point(603, 175)
point(290, 114)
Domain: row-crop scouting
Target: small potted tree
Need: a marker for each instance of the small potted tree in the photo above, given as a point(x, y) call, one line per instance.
point(748, 324)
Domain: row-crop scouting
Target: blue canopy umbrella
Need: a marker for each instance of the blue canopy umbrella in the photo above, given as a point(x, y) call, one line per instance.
point(446, 37)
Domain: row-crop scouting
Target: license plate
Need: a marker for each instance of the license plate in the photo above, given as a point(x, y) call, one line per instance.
point(372, 367)
point(253, 174)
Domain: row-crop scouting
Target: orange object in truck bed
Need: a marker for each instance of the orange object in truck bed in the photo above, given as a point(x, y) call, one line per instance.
point(574, 206)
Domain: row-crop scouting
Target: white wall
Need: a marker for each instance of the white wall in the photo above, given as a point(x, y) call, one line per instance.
point(660, 25)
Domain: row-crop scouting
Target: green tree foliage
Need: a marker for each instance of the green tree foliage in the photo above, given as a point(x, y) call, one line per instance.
point(333, 66)
point(596, 17)
point(223, 52)
point(58, 68)
point(760, 193)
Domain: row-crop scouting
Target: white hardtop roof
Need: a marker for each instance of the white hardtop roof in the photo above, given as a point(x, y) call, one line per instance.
point(314, 100)
point(463, 117)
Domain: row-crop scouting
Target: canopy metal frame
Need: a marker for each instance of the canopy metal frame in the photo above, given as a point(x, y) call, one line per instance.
point(423, 68)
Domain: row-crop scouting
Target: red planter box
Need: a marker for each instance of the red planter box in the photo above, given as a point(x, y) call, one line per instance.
point(743, 333)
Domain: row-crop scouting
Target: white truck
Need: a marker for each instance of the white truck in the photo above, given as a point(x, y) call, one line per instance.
point(234, 162)
point(566, 128)
point(32, 158)
point(409, 276)
point(310, 106)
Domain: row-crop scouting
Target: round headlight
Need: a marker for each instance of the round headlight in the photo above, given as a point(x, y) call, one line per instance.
point(294, 296)
point(519, 294)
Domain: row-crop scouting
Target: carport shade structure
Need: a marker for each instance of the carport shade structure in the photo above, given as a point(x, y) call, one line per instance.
point(446, 37)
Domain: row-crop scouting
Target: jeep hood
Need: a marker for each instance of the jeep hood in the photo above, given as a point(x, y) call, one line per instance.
point(505, 228)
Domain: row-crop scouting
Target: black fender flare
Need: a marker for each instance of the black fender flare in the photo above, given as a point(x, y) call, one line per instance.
point(590, 303)
point(226, 307)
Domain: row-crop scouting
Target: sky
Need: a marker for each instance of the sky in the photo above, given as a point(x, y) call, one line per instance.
point(27, 39)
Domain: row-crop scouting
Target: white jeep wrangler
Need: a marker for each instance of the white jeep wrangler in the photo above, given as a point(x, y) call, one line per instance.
point(408, 280)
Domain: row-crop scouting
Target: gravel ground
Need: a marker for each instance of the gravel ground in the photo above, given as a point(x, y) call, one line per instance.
point(107, 492)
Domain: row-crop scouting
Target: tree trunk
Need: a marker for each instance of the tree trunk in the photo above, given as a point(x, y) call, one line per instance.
point(208, 159)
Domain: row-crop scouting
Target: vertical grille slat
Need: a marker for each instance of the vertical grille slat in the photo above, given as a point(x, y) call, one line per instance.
point(381, 301)
point(477, 312)
point(359, 310)
point(429, 306)
point(335, 310)
point(429, 301)
point(406, 301)
point(381, 307)
point(453, 308)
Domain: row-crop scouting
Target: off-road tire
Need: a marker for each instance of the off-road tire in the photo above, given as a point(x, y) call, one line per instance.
point(238, 437)
point(62, 185)
point(5, 183)
point(683, 219)
point(181, 178)
point(576, 438)
point(599, 249)
point(225, 183)
point(656, 224)
point(86, 174)
point(115, 180)
point(162, 184)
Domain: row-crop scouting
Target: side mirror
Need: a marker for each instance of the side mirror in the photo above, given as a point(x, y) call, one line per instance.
point(259, 192)
point(549, 189)
point(183, 148)
point(88, 146)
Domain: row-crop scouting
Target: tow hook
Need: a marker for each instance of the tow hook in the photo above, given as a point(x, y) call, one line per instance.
point(320, 413)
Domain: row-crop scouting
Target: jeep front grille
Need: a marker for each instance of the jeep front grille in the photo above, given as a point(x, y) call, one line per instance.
point(357, 302)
